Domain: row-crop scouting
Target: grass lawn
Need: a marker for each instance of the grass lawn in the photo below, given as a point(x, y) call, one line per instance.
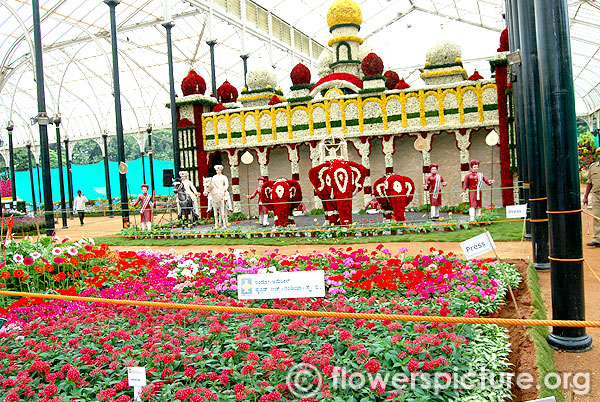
point(500, 231)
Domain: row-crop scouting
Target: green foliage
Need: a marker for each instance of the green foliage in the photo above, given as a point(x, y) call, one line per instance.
point(22, 159)
point(86, 152)
point(316, 211)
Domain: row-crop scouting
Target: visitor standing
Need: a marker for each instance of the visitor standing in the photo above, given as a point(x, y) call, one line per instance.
point(79, 205)
point(593, 186)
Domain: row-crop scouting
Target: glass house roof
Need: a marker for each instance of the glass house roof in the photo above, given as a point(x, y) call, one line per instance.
point(281, 33)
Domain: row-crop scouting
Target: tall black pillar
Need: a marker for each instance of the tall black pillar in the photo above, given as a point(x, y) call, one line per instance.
point(69, 178)
point(529, 86)
point(61, 181)
point(562, 173)
point(107, 177)
point(245, 60)
point(117, 93)
point(213, 71)
point(521, 139)
point(31, 177)
point(43, 119)
point(11, 155)
point(176, 161)
point(151, 158)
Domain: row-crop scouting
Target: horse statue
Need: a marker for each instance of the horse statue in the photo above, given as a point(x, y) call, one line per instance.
point(217, 201)
point(185, 204)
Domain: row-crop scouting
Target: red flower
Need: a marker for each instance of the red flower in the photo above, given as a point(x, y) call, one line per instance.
point(372, 366)
point(391, 79)
point(219, 108)
point(39, 269)
point(58, 260)
point(274, 100)
point(28, 261)
point(474, 299)
point(402, 84)
point(5, 274)
point(372, 65)
point(50, 390)
point(227, 92)
point(300, 74)
point(49, 267)
point(18, 273)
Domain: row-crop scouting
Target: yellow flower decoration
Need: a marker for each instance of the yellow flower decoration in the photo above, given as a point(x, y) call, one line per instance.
point(344, 12)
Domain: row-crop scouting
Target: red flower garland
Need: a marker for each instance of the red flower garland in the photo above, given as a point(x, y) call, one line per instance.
point(184, 123)
point(300, 74)
point(227, 92)
point(219, 108)
point(503, 41)
point(391, 79)
point(372, 65)
point(402, 84)
point(274, 100)
point(352, 79)
point(506, 176)
point(193, 84)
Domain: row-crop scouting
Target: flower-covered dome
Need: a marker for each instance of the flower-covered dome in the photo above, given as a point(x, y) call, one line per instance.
point(325, 59)
point(443, 53)
point(372, 65)
point(227, 92)
point(391, 79)
point(300, 74)
point(344, 12)
point(261, 78)
point(193, 84)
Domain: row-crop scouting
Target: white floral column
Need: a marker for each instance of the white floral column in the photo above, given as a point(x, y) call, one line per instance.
point(314, 159)
point(387, 144)
point(426, 156)
point(363, 147)
point(463, 142)
point(294, 158)
point(263, 161)
point(233, 155)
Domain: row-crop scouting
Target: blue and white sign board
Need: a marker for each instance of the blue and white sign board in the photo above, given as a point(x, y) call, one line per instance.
point(516, 211)
point(136, 376)
point(550, 399)
point(478, 245)
point(281, 285)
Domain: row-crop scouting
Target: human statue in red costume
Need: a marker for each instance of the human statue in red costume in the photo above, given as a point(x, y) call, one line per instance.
point(147, 202)
point(263, 211)
point(473, 182)
point(433, 184)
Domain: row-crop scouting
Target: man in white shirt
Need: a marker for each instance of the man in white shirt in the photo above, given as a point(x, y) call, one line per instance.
point(79, 205)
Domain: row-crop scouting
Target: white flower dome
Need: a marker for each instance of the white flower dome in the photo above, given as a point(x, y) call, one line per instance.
point(365, 49)
point(325, 59)
point(261, 77)
point(443, 52)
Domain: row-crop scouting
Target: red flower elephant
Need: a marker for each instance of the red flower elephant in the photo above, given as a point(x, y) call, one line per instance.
point(335, 183)
point(282, 196)
point(394, 193)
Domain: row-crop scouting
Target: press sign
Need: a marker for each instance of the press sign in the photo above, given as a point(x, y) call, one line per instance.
point(516, 211)
point(478, 245)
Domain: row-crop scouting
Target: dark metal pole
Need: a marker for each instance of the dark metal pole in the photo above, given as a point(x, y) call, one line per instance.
point(39, 183)
point(213, 72)
point(107, 176)
point(11, 153)
point(176, 162)
point(520, 138)
point(562, 173)
point(69, 178)
point(245, 60)
point(151, 157)
point(43, 119)
point(117, 91)
point(61, 180)
point(31, 177)
point(143, 167)
point(529, 86)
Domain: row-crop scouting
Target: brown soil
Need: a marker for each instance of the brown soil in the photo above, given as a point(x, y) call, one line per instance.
point(565, 362)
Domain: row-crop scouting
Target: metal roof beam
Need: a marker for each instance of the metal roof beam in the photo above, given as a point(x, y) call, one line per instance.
point(459, 19)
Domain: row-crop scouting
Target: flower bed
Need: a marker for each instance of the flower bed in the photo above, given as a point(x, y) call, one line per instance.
point(79, 351)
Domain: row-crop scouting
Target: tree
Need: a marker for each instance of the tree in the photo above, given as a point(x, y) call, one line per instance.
point(86, 152)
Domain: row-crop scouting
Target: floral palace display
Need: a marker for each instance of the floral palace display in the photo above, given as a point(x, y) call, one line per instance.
point(59, 350)
point(372, 116)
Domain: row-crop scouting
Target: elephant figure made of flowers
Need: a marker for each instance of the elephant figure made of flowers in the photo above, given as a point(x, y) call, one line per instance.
point(335, 183)
point(394, 193)
point(282, 196)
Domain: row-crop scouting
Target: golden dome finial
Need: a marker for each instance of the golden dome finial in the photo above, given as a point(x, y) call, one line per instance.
point(344, 12)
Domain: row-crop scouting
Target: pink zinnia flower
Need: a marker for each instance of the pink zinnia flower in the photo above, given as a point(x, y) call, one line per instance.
point(58, 260)
point(28, 261)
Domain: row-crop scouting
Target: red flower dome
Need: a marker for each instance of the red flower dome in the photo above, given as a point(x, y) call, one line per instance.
point(391, 79)
point(300, 74)
point(193, 84)
point(219, 108)
point(372, 65)
point(274, 100)
point(475, 76)
point(184, 123)
point(402, 84)
point(227, 92)
point(504, 41)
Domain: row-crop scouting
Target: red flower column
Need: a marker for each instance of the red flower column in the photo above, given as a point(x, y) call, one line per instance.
point(233, 155)
point(201, 157)
point(506, 176)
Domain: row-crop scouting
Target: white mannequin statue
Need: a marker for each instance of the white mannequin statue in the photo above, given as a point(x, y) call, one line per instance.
point(190, 190)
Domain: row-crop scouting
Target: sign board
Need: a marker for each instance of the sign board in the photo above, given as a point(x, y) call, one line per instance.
point(136, 376)
point(550, 399)
point(516, 211)
point(281, 285)
point(478, 245)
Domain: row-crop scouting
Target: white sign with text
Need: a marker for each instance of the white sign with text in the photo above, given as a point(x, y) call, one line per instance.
point(136, 377)
point(281, 285)
point(478, 245)
point(516, 211)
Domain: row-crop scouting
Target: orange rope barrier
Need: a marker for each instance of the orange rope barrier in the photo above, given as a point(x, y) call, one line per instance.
point(325, 314)
point(591, 269)
point(564, 212)
point(538, 220)
point(538, 199)
point(566, 259)
point(592, 215)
